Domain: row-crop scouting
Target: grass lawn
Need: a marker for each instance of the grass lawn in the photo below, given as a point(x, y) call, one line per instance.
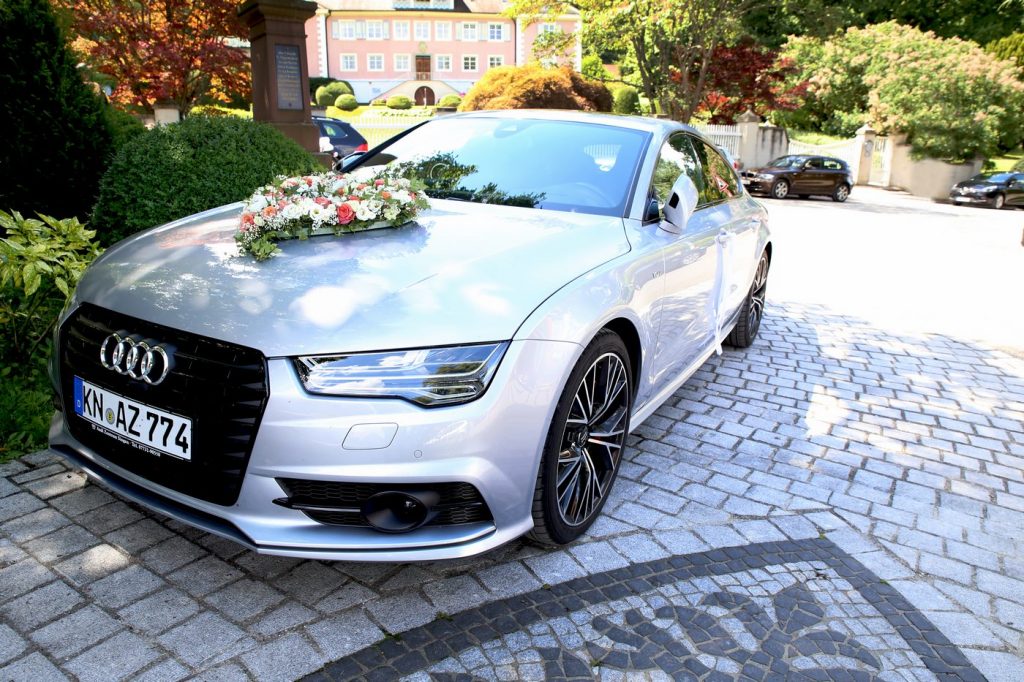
point(811, 137)
point(1005, 163)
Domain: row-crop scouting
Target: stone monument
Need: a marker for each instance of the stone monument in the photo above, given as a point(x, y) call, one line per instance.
point(280, 72)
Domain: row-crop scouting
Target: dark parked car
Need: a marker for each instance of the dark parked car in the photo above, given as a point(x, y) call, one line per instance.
point(801, 175)
point(342, 137)
point(991, 189)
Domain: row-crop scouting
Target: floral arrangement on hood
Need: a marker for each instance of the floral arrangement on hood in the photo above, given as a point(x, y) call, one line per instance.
point(326, 203)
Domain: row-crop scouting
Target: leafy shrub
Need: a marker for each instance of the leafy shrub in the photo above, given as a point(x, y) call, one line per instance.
point(218, 110)
point(450, 101)
point(399, 102)
point(951, 99)
point(1019, 166)
point(346, 102)
point(327, 94)
point(1010, 49)
point(315, 83)
point(123, 126)
point(202, 162)
point(626, 100)
point(41, 261)
point(53, 123)
point(379, 103)
point(535, 87)
point(593, 68)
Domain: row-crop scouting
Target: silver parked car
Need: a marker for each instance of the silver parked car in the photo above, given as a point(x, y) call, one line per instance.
point(430, 391)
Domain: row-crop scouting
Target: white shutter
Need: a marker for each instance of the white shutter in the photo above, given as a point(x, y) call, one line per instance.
point(458, 30)
point(385, 30)
point(506, 34)
point(360, 30)
point(481, 31)
point(336, 29)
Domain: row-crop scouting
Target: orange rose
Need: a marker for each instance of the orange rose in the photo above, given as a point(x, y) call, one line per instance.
point(385, 194)
point(269, 211)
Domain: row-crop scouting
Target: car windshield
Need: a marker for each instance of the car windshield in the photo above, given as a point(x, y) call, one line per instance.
point(536, 163)
point(788, 162)
point(992, 177)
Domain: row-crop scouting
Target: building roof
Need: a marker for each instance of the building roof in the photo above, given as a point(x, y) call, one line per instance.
point(455, 6)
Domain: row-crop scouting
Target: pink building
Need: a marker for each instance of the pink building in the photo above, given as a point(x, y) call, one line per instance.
point(424, 49)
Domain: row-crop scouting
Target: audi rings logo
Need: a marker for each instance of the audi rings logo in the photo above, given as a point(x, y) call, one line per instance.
point(135, 358)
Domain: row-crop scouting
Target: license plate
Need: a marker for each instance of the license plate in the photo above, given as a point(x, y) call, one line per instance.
point(147, 428)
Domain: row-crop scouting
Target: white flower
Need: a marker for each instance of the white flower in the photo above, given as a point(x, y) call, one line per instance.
point(364, 212)
point(391, 212)
point(258, 221)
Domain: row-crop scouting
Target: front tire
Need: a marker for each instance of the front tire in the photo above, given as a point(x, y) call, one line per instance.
point(780, 190)
point(841, 193)
point(752, 310)
point(584, 446)
point(998, 201)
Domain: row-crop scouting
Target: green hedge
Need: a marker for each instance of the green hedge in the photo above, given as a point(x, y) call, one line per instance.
point(399, 102)
point(626, 100)
point(176, 170)
point(327, 94)
point(450, 101)
point(57, 141)
point(346, 102)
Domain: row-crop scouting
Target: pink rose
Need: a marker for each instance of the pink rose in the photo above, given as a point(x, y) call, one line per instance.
point(345, 214)
point(378, 182)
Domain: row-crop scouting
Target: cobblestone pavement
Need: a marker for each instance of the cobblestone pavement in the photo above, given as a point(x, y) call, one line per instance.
point(885, 473)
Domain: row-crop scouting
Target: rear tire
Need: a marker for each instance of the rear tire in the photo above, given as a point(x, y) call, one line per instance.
point(841, 193)
point(780, 190)
point(585, 441)
point(752, 310)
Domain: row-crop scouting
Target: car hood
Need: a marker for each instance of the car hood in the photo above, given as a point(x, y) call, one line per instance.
point(976, 184)
point(461, 273)
point(766, 171)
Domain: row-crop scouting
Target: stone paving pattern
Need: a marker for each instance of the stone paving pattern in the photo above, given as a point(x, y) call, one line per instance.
point(906, 452)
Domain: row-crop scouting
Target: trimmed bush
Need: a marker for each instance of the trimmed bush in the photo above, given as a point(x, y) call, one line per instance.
point(535, 87)
point(450, 101)
point(57, 139)
point(315, 83)
point(399, 102)
point(123, 127)
point(176, 170)
point(626, 100)
point(327, 94)
point(217, 110)
point(346, 102)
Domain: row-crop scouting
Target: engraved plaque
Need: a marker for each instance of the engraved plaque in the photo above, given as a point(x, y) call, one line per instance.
point(289, 77)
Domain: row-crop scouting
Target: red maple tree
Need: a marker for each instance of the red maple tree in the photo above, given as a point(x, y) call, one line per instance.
point(747, 76)
point(163, 50)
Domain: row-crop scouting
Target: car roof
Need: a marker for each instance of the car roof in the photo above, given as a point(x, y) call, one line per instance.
point(645, 123)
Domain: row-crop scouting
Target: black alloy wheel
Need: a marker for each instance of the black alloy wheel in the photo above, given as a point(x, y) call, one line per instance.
point(752, 310)
point(585, 442)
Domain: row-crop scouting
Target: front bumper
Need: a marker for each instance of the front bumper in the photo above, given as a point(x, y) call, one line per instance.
point(494, 443)
point(958, 198)
point(756, 186)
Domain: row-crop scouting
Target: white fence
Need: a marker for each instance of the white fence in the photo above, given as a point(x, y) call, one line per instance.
point(725, 136)
point(379, 126)
point(847, 150)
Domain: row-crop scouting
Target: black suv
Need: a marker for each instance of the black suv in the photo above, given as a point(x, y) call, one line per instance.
point(801, 175)
point(344, 138)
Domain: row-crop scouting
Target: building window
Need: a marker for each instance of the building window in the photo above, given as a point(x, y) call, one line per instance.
point(495, 60)
point(443, 62)
point(495, 31)
point(375, 30)
point(374, 62)
point(469, 62)
point(442, 30)
point(348, 62)
point(549, 27)
point(469, 30)
point(422, 30)
point(402, 62)
point(343, 30)
point(401, 30)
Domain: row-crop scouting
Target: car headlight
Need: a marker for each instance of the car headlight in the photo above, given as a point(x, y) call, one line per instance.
point(428, 376)
point(765, 176)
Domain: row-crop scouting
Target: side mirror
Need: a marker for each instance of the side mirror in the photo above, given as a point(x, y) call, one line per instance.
point(653, 211)
point(325, 145)
point(681, 202)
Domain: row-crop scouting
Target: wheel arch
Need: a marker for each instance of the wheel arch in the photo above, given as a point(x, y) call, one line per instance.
point(627, 331)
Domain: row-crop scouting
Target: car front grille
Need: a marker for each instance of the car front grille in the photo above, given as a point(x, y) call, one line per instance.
point(221, 387)
point(339, 503)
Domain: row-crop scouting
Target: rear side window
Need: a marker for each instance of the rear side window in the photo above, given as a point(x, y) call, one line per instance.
point(333, 130)
point(720, 182)
point(832, 164)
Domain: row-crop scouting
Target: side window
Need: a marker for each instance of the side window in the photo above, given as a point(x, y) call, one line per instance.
point(816, 164)
point(833, 165)
point(720, 179)
point(676, 157)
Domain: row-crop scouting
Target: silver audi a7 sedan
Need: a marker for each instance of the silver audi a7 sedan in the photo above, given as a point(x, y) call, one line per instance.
point(428, 391)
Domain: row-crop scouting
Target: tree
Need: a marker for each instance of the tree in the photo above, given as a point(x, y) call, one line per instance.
point(670, 42)
point(57, 137)
point(747, 76)
point(535, 87)
point(163, 50)
point(950, 98)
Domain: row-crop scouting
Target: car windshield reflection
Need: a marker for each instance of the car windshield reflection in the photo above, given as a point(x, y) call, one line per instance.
point(554, 165)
